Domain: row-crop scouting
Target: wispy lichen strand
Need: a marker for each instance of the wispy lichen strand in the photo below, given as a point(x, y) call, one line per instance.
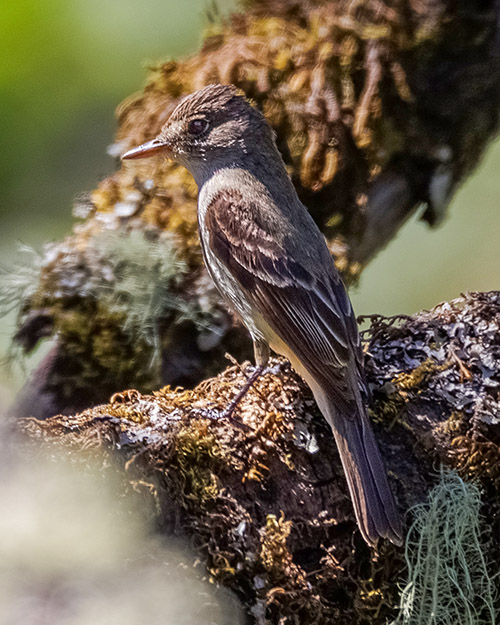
point(449, 581)
point(20, 281)
point(137, 278)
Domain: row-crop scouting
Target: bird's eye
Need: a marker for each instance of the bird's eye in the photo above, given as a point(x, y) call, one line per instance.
point(197, 126)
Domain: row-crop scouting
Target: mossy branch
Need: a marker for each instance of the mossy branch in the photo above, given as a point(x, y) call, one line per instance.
point(266, 503)
point(378, 108)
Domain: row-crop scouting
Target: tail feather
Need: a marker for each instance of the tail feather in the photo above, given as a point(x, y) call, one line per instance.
point(373, 502)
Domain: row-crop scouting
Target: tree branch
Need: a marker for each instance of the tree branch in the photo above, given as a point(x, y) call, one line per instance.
point(377, 112)
point(266, 503)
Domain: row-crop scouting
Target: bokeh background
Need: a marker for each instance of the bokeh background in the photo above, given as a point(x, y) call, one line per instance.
point(64, 67)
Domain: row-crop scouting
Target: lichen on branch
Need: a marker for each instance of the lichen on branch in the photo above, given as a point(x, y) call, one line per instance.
point(263, 498)
point(379, 108)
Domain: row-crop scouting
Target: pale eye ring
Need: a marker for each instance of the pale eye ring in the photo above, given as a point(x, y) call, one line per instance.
point(197, 126)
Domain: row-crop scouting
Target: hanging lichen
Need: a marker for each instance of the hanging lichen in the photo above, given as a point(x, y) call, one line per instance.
point(450, 578)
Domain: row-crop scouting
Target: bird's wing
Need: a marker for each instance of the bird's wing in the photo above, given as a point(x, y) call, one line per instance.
point(309, 311)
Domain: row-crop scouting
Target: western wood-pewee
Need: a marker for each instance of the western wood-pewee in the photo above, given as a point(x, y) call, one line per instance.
point(271, 263)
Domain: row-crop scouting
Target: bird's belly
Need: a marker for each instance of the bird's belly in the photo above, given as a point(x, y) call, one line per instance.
point(281, 348)
point(230, 289)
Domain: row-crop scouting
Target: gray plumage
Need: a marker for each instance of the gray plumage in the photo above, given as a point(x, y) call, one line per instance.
point(271, 263)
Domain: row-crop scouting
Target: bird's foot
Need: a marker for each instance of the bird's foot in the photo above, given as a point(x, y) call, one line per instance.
point(229, 410)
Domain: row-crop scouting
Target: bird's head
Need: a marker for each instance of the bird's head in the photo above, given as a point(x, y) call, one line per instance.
point(214, 124)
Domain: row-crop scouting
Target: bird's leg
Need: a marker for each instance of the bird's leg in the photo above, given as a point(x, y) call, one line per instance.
point(261, 352)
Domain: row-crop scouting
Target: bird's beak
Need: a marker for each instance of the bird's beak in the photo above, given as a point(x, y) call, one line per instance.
point(151, 148)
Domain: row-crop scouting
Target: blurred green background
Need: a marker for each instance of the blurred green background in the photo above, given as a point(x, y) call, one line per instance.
point(65, 66)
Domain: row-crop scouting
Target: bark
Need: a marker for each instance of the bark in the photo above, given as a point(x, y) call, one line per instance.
point(379, 109)
point(262, 497)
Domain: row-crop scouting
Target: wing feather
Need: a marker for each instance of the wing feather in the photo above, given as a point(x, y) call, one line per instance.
point(309, 311)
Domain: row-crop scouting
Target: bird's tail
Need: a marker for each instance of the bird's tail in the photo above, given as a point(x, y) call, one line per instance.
point(374, 505)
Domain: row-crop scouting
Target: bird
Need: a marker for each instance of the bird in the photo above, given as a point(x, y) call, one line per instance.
point(272, 265)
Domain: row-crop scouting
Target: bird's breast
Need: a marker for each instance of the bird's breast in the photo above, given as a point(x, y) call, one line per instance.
point(224, 280)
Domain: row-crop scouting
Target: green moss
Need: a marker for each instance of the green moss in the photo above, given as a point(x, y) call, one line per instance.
point(284, 592)
point(390, 409)
point(414, 380)
point(477, 459)
point(275, 555)
point(197, 460)
point(372, 600)
point(455, 424)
